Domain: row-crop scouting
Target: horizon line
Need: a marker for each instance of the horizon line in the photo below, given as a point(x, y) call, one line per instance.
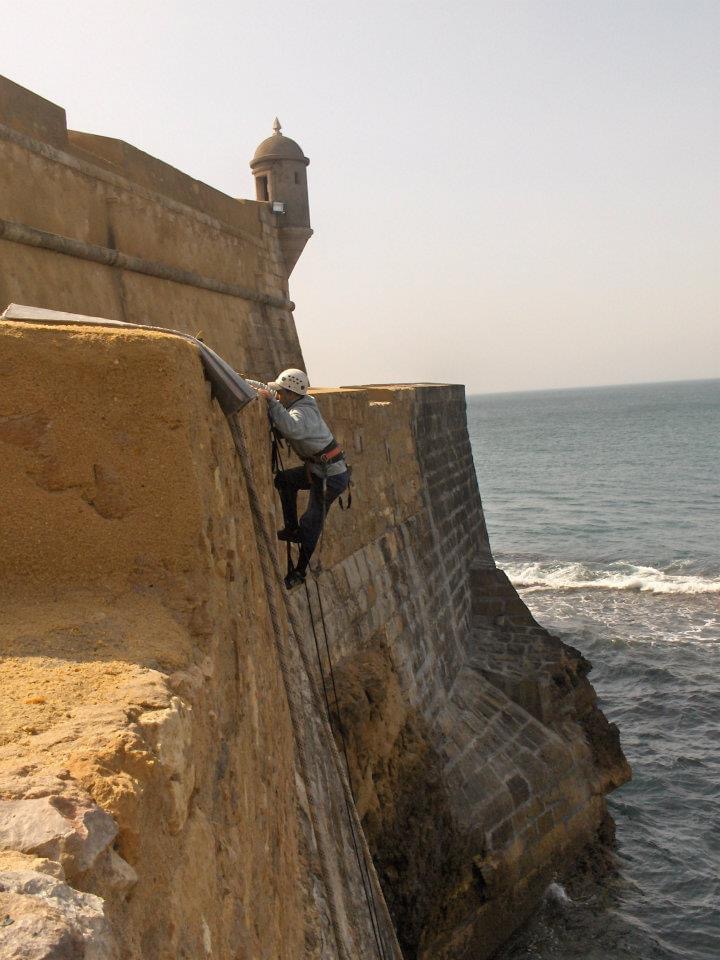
point(598, 386)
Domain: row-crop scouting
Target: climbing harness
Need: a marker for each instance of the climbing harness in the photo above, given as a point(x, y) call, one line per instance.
point(349, 491)
point(332, 453)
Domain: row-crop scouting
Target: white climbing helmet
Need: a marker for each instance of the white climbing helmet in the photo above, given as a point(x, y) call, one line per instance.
point(291, 379)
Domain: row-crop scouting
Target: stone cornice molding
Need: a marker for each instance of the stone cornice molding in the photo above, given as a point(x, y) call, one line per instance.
point(81, 249)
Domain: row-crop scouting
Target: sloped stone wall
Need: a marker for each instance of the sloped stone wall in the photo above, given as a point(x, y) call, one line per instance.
point(168, 786)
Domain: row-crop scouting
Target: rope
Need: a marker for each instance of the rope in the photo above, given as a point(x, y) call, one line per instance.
point(272, 576)
point(277, 463)
point(362, 863)
point(315, 571)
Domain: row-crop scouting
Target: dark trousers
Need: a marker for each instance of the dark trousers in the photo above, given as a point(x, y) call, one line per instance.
point(288, 482)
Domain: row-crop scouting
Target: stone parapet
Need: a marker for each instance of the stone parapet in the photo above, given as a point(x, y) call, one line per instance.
point(32, 115)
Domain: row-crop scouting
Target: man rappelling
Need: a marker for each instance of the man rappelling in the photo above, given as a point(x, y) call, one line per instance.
point(296, 417)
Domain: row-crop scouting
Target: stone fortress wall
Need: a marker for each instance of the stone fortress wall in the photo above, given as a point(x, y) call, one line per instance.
point(169, 784)
point(100, 199)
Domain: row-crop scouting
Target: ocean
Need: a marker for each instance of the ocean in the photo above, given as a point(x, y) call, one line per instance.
point(603, 507)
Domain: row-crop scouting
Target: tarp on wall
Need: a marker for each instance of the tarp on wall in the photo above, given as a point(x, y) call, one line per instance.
point(229, 388)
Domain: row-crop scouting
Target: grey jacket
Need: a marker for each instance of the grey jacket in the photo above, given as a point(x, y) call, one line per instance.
point(305, 430)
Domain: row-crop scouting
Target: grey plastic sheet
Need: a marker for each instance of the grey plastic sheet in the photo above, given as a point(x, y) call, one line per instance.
point(231, 391)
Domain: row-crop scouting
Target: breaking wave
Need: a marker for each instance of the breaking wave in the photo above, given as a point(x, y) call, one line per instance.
point(621, 575)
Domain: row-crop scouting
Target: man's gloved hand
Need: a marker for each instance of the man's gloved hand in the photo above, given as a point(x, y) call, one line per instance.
point(261, 389)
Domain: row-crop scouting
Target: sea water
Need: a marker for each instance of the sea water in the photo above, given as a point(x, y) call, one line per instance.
point(603, 506)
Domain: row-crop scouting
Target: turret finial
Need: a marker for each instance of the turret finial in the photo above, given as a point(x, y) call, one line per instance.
point(277, 128)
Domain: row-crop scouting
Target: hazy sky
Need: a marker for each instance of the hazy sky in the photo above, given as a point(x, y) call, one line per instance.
point(509, 194)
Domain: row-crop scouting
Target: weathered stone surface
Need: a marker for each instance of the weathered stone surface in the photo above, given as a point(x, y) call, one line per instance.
point(45, 919)
point(169, 734)
point(68, 830)
point(13, 860)
point(113, 876)
point(427, 631)
point(136, 675)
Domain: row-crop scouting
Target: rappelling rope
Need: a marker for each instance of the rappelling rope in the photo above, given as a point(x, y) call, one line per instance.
point(362, 863)
point(277, 464)
point(272, 578)
point(267, 556)
point(315, 571)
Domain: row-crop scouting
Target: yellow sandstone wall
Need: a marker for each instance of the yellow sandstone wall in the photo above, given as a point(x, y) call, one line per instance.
point(150, 754)
point(134, 644)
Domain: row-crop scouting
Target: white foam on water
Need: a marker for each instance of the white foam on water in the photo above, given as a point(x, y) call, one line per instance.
point(616, 576)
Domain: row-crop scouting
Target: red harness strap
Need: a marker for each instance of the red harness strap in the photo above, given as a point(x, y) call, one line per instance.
point(328, 455)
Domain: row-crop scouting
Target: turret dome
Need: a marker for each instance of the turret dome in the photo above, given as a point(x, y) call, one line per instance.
point(278, 147)
point(279, 169)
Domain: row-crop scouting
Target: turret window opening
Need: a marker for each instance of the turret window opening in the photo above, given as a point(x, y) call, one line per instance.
point(262, 188)
point(297, 177)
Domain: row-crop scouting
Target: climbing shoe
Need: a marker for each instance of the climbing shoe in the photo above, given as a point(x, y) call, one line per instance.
point(289, 534)
point(294, 579)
